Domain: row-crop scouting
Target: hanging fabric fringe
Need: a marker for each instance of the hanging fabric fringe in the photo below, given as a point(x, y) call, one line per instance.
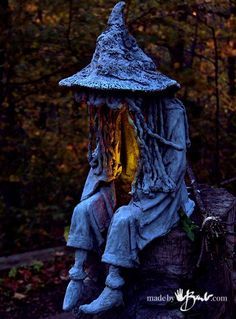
point(147, 115)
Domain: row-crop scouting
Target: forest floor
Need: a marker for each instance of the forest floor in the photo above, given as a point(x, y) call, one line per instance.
point(35, 291)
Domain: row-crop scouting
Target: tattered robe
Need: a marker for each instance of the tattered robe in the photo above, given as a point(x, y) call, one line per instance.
point(133, 226)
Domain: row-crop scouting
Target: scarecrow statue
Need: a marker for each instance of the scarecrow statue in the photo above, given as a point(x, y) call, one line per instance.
point(137, 154)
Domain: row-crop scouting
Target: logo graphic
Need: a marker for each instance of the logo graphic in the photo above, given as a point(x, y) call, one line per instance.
point(189, 298)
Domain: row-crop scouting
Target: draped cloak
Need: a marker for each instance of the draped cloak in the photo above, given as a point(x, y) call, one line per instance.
point(118, 77)
point(159, 212)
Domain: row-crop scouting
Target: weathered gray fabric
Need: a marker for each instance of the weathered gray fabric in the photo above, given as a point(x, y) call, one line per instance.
point(137, 224)
point(145, 217)
point(91, 217)
point(132, 228)
point(123, 236)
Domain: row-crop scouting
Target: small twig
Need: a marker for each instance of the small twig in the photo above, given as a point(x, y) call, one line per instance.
point(42, 78)
point(200, 56)
point(201, 253)
point(196, 190)
point(228, 181)
point(144, 14)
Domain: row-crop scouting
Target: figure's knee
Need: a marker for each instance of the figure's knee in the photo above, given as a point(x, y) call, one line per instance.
point(123, 215)
point(81, 211)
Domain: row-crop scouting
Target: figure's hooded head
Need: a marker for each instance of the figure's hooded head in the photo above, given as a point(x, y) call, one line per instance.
point(118, 63)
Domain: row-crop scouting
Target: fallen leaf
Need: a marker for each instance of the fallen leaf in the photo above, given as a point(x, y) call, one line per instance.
point(19, 296)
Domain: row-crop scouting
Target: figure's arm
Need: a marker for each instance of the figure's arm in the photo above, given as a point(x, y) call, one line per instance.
point(175, 160)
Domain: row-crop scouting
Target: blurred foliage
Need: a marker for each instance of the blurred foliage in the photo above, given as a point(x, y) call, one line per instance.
point(44, 133)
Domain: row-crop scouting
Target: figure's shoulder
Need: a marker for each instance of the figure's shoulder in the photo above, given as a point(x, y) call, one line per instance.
point(174, 109)
point(173, 104)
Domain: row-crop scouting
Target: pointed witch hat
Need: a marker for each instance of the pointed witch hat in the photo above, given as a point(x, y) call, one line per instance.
point(118, 63)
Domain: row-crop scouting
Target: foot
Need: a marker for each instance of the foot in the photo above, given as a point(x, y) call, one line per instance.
point(114, 280)
point(73, 294)
point(108, 299)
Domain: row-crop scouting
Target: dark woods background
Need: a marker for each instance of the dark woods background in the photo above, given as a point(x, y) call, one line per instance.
point(44, 133)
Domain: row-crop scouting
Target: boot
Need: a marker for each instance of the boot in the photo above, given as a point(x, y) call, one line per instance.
point(75, 287)
point(110, 297)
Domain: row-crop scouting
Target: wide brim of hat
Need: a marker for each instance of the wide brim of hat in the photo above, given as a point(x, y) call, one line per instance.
point(100, 82)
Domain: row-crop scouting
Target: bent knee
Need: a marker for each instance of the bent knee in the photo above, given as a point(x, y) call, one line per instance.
point(79, 210)
point(84, 207)
point(124, 215)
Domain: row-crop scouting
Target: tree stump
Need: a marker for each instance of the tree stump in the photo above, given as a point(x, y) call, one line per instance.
point(169, 263)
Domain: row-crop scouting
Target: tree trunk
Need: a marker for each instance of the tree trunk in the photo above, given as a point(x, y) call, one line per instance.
point(4, 28)
point(231, 74)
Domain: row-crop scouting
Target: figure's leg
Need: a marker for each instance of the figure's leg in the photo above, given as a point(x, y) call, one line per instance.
point(77, 275)
point(85, 231)
point(121, 251)
point(121, 247)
